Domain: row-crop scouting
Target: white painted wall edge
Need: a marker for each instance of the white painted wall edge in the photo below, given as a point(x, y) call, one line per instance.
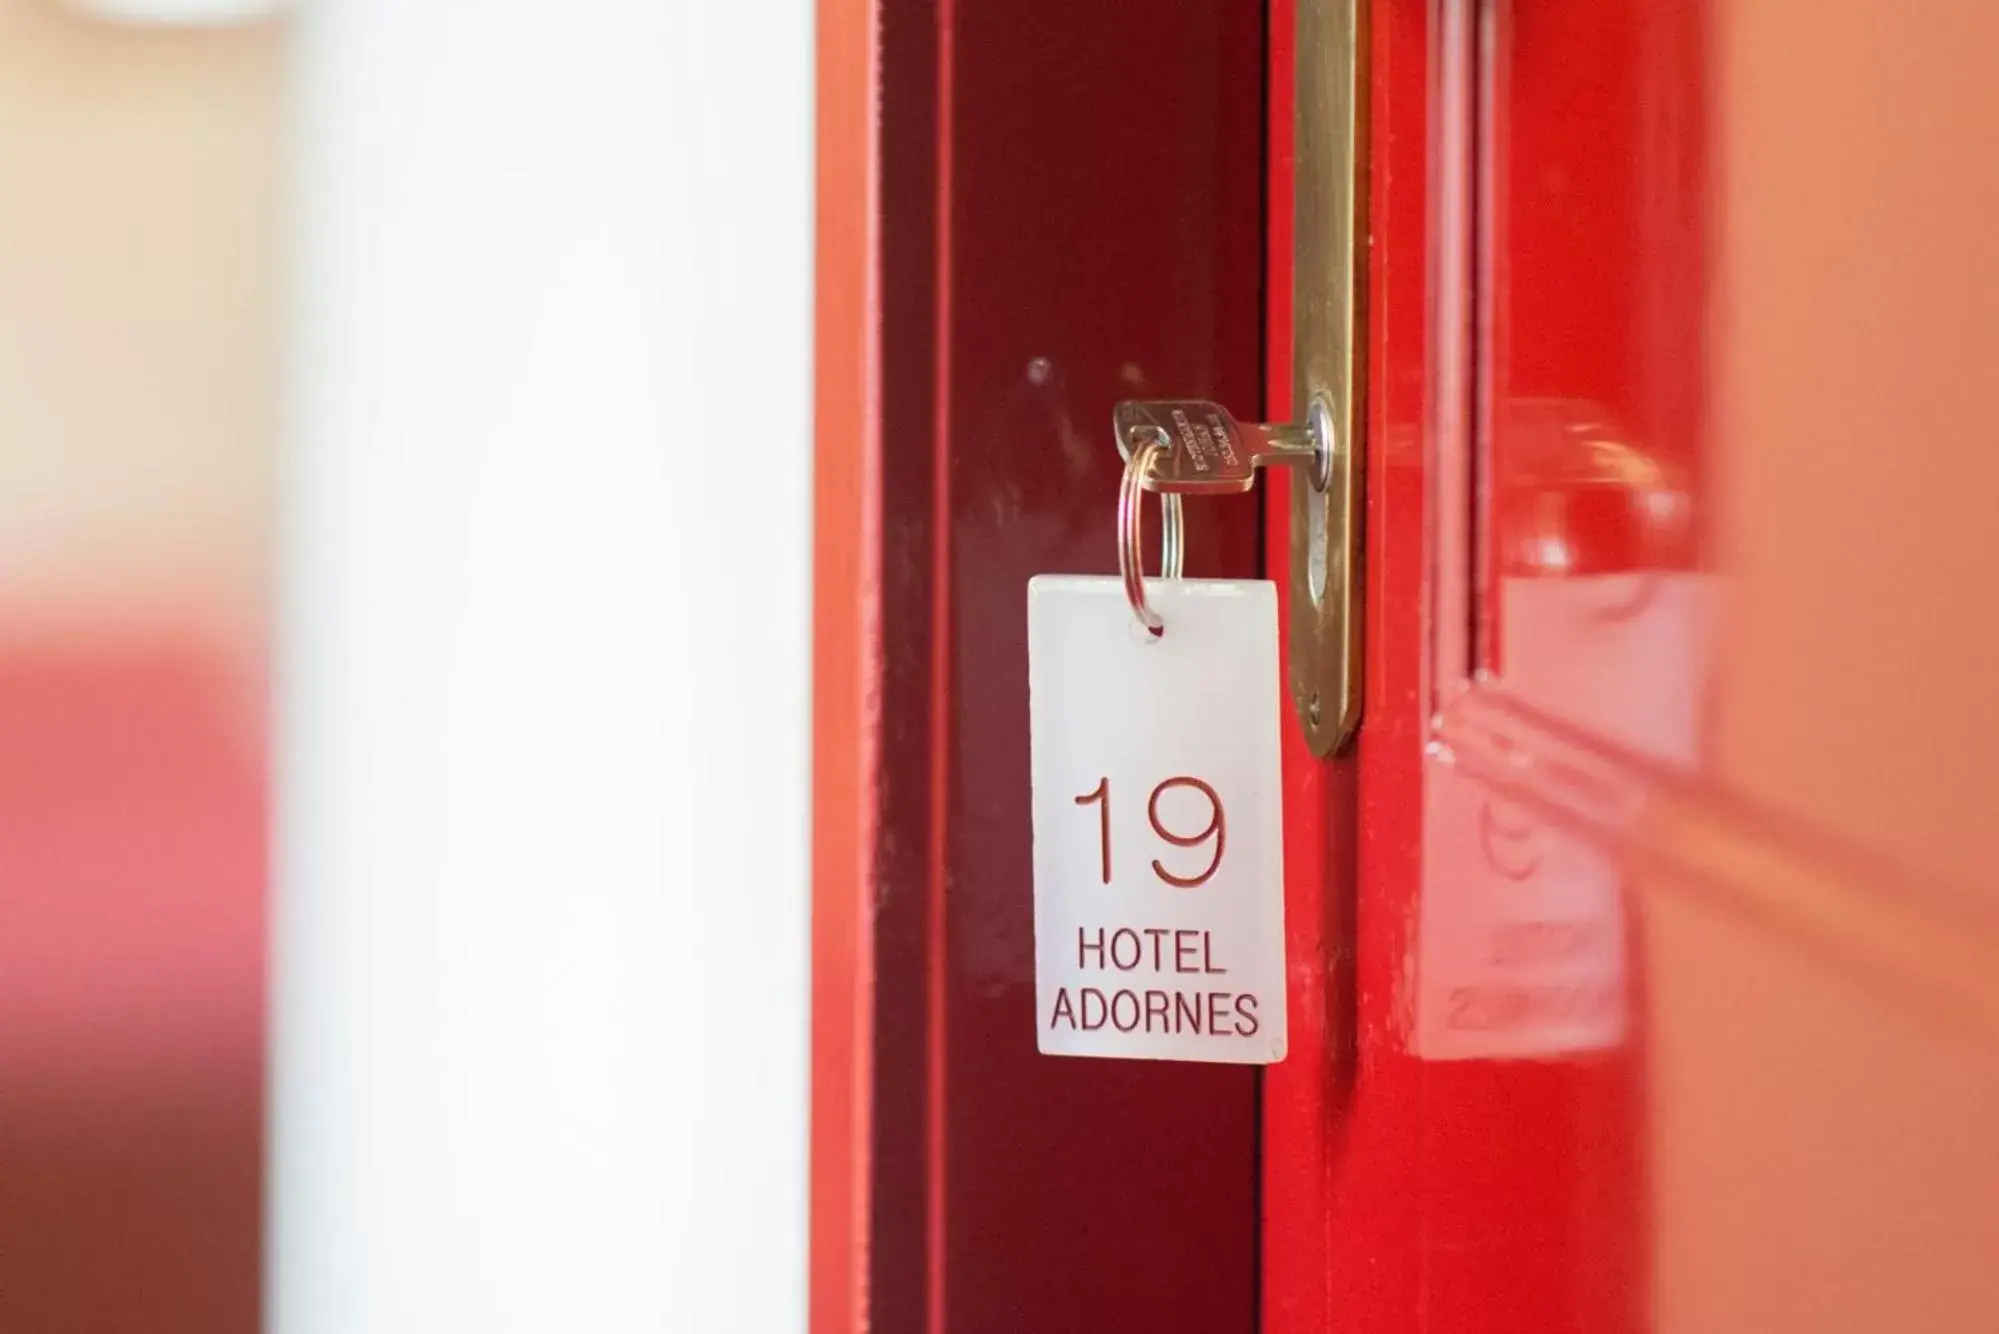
point(540, 934)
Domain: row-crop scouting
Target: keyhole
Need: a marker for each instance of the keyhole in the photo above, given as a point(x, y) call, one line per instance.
point(1316, 556)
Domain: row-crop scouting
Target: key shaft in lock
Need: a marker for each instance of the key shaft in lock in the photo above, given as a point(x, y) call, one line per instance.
point(1208, 452)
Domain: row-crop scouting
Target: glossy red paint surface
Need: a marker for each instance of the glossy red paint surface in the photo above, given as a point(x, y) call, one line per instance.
point(846, 591)
point(1633, 985)
point(1305, 1094)
point(1457, 1143)
point(1022, 276)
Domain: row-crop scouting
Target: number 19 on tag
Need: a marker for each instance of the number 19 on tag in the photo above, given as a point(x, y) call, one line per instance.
point(1158, 873)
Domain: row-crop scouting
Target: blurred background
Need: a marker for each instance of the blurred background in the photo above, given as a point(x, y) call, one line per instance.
point(379, 382)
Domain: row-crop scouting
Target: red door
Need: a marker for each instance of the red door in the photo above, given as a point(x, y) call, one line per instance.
point(1649, 925)
point(1642, 943)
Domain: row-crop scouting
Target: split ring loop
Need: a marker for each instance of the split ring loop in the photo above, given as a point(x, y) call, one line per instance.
point(1130, 555)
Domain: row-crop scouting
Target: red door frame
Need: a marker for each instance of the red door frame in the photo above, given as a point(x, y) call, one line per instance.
point(1012, 236)
point(1487, 1195)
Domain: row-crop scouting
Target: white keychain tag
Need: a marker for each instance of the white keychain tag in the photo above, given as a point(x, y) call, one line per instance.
point(1158, 854)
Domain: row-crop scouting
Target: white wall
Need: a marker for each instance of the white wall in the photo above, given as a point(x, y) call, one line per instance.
point(541, 959)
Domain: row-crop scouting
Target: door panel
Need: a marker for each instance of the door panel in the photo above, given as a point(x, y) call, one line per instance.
point(1645, 943)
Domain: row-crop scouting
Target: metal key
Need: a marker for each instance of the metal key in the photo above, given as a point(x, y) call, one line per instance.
point(1207, 452)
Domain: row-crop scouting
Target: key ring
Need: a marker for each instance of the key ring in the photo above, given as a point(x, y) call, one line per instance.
point(1130, 554)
